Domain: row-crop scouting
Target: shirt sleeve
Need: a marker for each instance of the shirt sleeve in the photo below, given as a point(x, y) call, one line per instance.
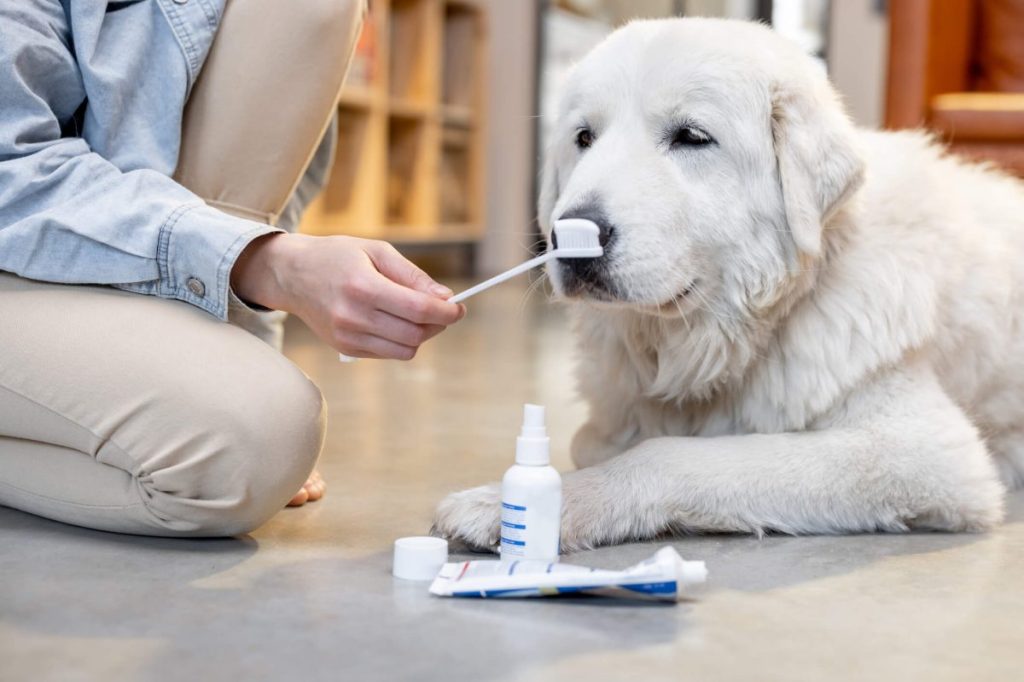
point(69, 215)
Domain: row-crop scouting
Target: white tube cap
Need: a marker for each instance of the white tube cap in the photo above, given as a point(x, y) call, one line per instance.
point(419, 558)
point(687, 572)
point(692, 572)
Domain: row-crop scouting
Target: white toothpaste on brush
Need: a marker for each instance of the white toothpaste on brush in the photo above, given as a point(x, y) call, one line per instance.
point(663, 577)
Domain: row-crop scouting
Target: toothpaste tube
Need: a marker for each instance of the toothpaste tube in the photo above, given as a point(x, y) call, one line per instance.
point(662, 577)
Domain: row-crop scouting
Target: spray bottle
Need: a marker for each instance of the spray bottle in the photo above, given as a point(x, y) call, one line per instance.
point(531, 496)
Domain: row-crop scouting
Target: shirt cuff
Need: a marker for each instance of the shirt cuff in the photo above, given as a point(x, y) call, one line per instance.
point(197, 249)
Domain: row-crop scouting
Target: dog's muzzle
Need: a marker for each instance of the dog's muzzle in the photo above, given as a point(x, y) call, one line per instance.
point(580, 276)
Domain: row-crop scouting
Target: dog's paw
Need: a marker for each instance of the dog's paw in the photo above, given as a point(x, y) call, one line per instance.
point(471, 517)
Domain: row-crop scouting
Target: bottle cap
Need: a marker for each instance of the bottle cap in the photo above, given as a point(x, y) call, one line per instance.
point(419, 558)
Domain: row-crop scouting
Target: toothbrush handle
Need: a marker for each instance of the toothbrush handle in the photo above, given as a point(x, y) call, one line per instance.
point(472, 291)
point(498, 279)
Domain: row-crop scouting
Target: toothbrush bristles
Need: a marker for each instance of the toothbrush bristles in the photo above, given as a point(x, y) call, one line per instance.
point(577, 238)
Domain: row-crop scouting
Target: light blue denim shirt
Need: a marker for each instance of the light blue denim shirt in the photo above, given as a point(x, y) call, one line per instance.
point(91, 100)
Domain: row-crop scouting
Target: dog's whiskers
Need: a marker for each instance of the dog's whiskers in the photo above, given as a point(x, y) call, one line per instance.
point(530, 291)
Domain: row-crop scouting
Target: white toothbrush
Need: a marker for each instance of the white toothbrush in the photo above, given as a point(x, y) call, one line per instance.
point(576, 238)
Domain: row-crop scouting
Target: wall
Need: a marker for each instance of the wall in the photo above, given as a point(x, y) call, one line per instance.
point(858, 57)
point(512, 36)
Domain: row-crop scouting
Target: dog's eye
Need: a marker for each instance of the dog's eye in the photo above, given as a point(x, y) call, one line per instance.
point(584, 138)
point(688, 136)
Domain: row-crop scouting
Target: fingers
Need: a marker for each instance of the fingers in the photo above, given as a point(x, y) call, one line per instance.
point(432, 330)
point(365, 332)
point(401, 270)
point(362, 345)
point(388, 326)
point(415, 306)
point(387, 307)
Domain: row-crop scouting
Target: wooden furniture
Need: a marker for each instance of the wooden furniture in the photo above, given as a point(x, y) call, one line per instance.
point(957, 67)
point(409, 162)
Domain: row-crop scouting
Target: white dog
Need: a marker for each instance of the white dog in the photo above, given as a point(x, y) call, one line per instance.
point(797, 326)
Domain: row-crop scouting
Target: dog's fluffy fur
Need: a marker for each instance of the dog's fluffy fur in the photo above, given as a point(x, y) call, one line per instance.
point(797, 326)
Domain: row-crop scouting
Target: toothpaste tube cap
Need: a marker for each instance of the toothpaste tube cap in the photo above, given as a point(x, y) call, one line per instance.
point(419, 558)
point(692, 572)
point(686, 572)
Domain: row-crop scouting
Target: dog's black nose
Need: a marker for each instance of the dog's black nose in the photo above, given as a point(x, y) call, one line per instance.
point(606, 232)
point(580, 274)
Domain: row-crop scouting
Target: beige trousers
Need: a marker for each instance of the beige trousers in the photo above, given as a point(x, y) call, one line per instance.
point(134, 414)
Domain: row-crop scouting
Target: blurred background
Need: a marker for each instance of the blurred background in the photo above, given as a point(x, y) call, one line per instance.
point(448, 102)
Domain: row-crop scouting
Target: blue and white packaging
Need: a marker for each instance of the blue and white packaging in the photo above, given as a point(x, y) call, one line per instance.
point(663, 577)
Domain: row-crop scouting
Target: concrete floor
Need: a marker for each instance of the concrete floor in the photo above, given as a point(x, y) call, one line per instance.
point(309, 595)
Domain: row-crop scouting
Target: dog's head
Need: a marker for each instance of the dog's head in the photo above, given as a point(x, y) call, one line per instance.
point(710, 153)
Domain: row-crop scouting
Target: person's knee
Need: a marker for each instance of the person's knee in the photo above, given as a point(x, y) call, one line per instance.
point(246, 459)
point(278, 448)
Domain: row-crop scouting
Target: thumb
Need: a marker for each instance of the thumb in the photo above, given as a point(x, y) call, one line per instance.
point(401, 270)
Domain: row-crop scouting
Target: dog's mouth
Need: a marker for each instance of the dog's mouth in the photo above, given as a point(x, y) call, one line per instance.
point(681, 302)
point(594, 291)
point(601, 293)
point(588, 284)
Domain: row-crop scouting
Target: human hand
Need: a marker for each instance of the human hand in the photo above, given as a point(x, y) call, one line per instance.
point(360, 296)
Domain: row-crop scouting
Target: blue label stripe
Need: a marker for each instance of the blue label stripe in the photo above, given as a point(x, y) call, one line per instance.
point(517, 543)
point(518, 526)
point(644, 588)
point(652, 588)
point(514, 507)
point(517, 592)
point(579, 588)
point(520, 591)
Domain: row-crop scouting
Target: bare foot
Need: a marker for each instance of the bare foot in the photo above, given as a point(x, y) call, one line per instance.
point(312, 490)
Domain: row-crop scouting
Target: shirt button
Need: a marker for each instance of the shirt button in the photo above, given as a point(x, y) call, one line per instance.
point(196, 286)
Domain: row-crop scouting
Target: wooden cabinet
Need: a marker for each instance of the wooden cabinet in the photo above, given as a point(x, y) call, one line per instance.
point(409, 161)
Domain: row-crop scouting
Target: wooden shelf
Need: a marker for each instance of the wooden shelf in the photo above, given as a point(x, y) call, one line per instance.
point(412, 50)
point(446, 233)
point(412, 235)
point(409, 109)
point(459, 75)
point(357, 98)
point(456, 136)
point(409, 161)
point(408, 201)
point(459, 116)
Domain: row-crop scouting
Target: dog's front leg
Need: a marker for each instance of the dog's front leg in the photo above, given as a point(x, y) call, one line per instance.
point(898, 455)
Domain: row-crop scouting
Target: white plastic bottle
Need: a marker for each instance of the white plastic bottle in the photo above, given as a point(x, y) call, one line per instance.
point(531, 496)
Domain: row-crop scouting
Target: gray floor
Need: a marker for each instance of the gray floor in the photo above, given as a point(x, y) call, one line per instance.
point(309, 596)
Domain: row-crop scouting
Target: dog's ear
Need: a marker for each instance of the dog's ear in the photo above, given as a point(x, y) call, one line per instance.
point(819, 165)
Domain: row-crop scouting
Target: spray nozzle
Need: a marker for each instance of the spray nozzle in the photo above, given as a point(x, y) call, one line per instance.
point(532, 444)
point(533, 421)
